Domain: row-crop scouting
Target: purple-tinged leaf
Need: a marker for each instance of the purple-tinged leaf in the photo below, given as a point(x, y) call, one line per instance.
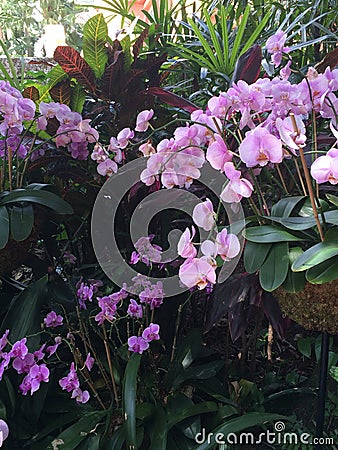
point(248, 65)
point(172, 99)
point(274, 314)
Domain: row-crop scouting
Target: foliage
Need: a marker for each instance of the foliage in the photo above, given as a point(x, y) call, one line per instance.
point(22, 23)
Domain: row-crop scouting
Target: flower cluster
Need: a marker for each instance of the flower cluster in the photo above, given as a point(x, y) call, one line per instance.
point(138, 344)
point(14, 111)
point(24, 362)
point(73, 132)
point(146, 252)
point(71, 383)
point(202, 271)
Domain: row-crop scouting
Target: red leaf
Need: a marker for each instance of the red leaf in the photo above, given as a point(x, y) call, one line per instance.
point(72, 63)
point(330, 60)
point(172, 99)
point(131, 76)
point(61, 92)
point(248, 65)
point(112, 76)
point(139, 43)
point(32, 93)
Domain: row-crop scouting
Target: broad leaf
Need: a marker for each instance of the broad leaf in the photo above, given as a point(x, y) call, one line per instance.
point(284, 207)
point(75, 66)
point(77, 100)
point(32, 93)
point(23, 316)
point(318, 253)
point(269, 234)
point(275, 267)
point(4, 226)
point(41, 197)
point(95, 35)
point(254, 255)
point(21, 221)
point(139, 43)
point(61, 92)
point(56, 75)
point(113, 75)
point(248, 65)
point(324, 272)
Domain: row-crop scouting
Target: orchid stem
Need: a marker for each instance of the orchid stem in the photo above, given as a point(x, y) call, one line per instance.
point(308, 181)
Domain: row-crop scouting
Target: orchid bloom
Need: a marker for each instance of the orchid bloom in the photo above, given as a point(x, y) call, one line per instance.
point(237, 188)
point(325, 168)
point(260, 147)
point(203, 215)
point(197, 272)
point(185, 247)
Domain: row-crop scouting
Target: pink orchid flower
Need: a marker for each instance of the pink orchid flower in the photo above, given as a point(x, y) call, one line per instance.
point(218, 153)
point(260, 147)
point(325, 168)
point(142, 120)
point(203, 215)
point(185, 247)
point(197, 272)
point(228, 245)
point(237, 188)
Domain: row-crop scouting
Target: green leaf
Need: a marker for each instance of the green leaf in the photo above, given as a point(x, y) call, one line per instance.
point(307, 211)
point(129, 400)
point(319, 252)
point(23, 316)
point(284, 207)
point(295, 281)
point(4, 226)
point(200, 372)
point(304, 346)
point(78, 98)
point(21, 221)
point(324, 272)
point(269, 234)
point(298, 223)
point(239, 36)
point(275, 267)
point(95, 35)
point(332, 199)
point(41, 197)
point(236, 425)
point(116, 441)
point(56, 75)
point(76, 433)
point(254, 255)
point(334, 373)
point(159, 430)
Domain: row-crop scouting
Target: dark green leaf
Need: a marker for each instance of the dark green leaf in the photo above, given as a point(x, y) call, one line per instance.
point(275, 268)
point(4, 226)
point(307, 211)
point(254, 255)
point(236, 425)
point(268, 234)
point(76, 433)
point(285, 206)
point(304, 346)
point(159, 430)
point(324, 272)
point(332, 199)
point(77, 99)
point(23, 316)
point(298, 223)
point(41, 197)
point(200, 372)
point(318, 253)
point(129, 399)
point(21, 221)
